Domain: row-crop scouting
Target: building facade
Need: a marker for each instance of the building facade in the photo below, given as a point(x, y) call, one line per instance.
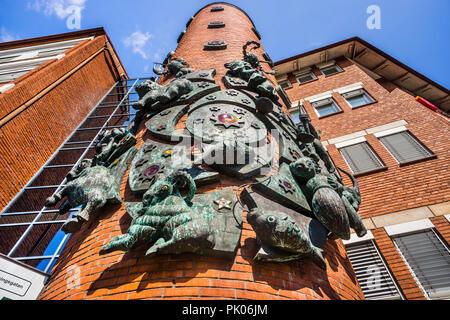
point(365, 104)
point(49, 86)
point(362, 101)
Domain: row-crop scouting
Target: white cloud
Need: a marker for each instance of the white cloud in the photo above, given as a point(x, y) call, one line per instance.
point(5, 36)
point(137, 41)
point(70, 9)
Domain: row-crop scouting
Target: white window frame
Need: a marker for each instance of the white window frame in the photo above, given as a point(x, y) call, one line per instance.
point(314, 77)
point(43, 47)
point(326, 115)
point(393, 131)
point(365, 93)
point(369, 238)
point(359, 140)
point(413, 227)
point(25, 59)
point(285, 81)
point(331, 66)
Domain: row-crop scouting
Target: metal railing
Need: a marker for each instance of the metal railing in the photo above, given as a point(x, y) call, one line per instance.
point(25, 223)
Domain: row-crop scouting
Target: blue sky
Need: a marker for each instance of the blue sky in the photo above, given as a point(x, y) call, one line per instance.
point(416, 32)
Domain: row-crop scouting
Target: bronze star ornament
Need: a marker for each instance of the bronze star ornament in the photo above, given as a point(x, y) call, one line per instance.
point(223, 203)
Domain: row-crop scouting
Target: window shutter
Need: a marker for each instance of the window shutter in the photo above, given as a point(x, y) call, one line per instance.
point(404, 147)
point(352, 94)
point(360, 158)
point(373, 276)
point(322, 102)
point(429, 260)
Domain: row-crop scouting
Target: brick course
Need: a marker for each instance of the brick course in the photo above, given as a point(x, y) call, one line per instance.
point(186, 276)
point(399, 187)
point(26, 145)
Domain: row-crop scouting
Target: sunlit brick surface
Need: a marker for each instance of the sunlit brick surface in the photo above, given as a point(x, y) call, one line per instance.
point(82, 274)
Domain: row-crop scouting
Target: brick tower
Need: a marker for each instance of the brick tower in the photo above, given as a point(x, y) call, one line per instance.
point(81, 273)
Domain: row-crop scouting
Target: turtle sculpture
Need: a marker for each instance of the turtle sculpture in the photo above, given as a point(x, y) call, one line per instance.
point(333, 204)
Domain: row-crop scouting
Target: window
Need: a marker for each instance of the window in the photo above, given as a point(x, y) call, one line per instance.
point(216, 24)
point(18, 61)
point(404, 147)
point(285, 84)
point(361, 158)
point(295, 117)
point(357, 98)
point(328, 71)
point(267, 59)
point(217, 8)
point(215, 45)
point(429, 260)
point(371, 271)
point(326, 107)
point(305, 77)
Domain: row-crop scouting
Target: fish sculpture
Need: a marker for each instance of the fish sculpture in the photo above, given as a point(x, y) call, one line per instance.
point(279, 231)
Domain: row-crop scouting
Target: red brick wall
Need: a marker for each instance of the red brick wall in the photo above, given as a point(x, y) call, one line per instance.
point(29, 139)
point(442, 226)
point(133, 276)
point(397, 188)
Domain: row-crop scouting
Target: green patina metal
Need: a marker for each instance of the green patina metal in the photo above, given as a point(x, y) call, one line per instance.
point(250, 70)
point(162, 124)
point(281, 187)
point(177, 67)
point(155, 160)
point(293, 210)
point(155, 97)
point(326, 194)
point(229, 97)
point(200, 76)
point(95, 182)
point(282, 233)
point(167, 223)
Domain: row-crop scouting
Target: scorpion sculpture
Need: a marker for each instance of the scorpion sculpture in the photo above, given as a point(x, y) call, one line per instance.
point(250, 70)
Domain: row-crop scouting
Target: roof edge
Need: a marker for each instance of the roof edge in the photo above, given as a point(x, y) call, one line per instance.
point(52, 38)
point(68, 35)
point(371, 47)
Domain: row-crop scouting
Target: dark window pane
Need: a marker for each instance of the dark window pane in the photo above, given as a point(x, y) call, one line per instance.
point(330, 70)
point(305, 78)
point(327, 109)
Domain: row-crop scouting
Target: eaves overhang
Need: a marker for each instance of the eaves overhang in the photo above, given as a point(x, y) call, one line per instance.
point(376, 63)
